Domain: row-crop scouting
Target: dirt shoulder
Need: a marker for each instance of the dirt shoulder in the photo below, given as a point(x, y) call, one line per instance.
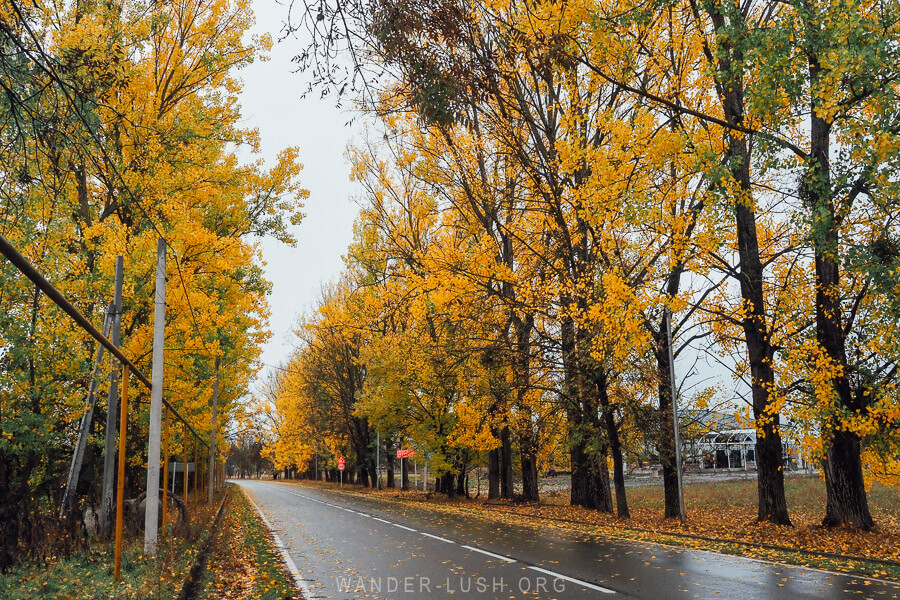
point(244, 564)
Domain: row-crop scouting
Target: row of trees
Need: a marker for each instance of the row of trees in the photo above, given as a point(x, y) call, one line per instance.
point(119, 126)
point(549, 182)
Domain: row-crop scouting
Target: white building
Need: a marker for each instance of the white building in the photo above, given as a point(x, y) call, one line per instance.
point(733, 448)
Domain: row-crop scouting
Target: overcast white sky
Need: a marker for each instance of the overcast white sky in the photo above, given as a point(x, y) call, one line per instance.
point(271, 102)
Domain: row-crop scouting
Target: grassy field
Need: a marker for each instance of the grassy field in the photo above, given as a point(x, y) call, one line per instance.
point(805, 496)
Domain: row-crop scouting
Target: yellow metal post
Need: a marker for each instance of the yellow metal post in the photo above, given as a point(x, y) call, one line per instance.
point(184, 492)
point(196, 474)
point(120, 500)
point(165, 498)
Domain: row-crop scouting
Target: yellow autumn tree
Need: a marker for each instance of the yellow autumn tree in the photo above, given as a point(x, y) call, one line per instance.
point(132, 138)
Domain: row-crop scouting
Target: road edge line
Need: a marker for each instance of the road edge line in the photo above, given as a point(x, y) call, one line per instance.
point(288, 561)
point(506, 559)
point(587, 584)
point(500, 556)
point(437, 537)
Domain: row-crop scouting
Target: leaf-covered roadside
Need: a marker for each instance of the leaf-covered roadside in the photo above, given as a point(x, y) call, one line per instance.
point(88, 575)
point(244, 564)
point(723, 511)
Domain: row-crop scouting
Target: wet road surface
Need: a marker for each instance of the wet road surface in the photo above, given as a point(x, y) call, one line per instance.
point(348, 547)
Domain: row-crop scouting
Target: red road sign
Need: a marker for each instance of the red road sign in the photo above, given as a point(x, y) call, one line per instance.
point(405, 453)
point(341, 464)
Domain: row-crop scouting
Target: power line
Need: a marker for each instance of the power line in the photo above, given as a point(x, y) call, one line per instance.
point(27, 269)
point(280, 368)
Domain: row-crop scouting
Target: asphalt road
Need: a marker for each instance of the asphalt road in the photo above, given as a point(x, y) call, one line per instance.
point(348, 547)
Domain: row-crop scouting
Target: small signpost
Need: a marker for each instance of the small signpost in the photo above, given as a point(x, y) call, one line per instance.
point(401, 453)
point(341, 469)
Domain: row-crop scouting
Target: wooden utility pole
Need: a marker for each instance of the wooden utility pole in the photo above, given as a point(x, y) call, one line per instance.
point(212, 437)
point(151, 517)
point(109, 455)
point(85, 425)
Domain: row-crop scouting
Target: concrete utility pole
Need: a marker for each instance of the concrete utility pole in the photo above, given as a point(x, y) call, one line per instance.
point(212, 437)
point(151, 518)
point(378, 459)
point(676, 424)
point(109, 453)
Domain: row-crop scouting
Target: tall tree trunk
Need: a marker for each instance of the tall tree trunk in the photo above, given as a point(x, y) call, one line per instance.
point(494, 474)
point(615, 446)
point(594, 448)
point(361, 438)
point(665, 442)
point(528, 436)
point(506, 470)
point(404, 478)
point(579, 489)
point(447, 481)
point(528, 456)
point(600, 480)
point(729, 60)
point(846, 502)
point(590, 478)
point(771, 504)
